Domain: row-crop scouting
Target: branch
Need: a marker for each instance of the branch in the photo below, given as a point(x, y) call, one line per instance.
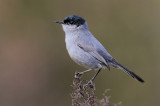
point(83, 95)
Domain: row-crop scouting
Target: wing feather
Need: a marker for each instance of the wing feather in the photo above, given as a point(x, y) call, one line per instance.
point(91, 50)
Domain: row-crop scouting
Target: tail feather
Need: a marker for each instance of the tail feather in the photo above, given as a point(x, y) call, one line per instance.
point(132, 74)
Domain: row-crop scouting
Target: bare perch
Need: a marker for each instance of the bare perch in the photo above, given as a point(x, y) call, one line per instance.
point(83, 95)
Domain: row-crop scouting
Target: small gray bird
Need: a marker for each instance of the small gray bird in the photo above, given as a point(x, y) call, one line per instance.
point(86, 50)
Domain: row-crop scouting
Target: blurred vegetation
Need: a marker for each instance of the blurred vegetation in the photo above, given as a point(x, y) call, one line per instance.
point(35, 69)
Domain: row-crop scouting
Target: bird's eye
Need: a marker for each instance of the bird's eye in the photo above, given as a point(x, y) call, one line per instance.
point(69, 21)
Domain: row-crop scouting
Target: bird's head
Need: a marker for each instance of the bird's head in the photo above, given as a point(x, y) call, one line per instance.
point(73, 22)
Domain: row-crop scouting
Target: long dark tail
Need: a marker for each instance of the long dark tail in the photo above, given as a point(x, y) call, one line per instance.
point(128, 71)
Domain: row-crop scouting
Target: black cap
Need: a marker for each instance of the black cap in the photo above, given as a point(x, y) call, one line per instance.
point(72, 20)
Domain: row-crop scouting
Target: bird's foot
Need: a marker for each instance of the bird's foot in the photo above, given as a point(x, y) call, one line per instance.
point(77, 75)
point(90, 84)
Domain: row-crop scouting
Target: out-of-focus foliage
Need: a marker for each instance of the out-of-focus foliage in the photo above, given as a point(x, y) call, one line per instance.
point(35, 69)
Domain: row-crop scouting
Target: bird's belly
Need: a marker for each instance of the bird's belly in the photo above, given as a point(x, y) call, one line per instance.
point(83, 58)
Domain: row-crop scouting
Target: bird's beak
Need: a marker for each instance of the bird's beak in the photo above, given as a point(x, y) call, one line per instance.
point(60, 22)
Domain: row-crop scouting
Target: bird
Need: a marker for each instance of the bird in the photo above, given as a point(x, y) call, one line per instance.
point(86, 50)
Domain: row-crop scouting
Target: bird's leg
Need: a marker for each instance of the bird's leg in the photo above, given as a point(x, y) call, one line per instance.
point(90, 83)
point(78, 74)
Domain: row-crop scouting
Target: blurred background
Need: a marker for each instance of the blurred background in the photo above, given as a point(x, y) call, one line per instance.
point(35, 69)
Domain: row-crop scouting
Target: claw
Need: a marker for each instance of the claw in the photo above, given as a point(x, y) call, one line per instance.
point(77, 75)
point(90, 84)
